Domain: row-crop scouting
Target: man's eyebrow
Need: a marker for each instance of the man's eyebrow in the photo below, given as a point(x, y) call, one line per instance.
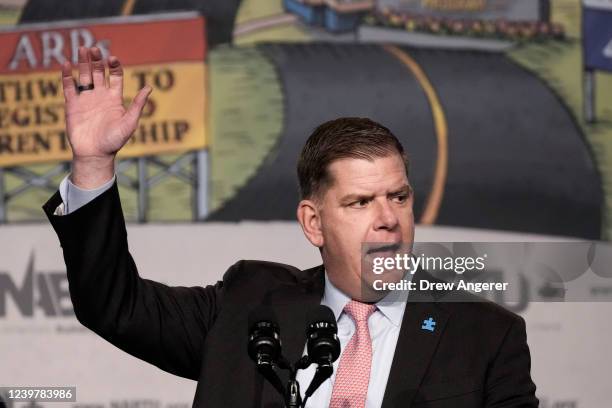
point(405, 189)
point(349, 198)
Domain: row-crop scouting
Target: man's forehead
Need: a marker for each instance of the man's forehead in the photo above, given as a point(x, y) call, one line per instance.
point(362, 173)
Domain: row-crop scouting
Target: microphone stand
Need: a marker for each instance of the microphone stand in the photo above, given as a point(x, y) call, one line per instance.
point(293, 397)
point(264, 348)
point(324, 371)
point(291, 393)
point(266, 368)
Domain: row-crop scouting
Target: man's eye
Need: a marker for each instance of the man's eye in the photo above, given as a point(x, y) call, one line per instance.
point(360, 203)
point(401, 198)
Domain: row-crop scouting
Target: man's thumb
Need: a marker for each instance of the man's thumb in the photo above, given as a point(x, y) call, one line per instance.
point(135, 109)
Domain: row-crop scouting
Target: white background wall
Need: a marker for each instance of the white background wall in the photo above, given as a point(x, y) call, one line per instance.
point(571, 343)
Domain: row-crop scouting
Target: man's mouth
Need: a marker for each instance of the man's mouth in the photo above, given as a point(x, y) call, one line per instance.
point(386, 248)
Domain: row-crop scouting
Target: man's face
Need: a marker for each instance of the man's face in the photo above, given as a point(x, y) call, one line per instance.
point(367, 202)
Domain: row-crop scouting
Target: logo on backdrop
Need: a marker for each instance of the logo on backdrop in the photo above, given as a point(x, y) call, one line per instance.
point(37, 293)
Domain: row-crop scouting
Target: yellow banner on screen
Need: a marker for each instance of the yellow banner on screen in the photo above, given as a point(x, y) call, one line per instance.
point(32, 128)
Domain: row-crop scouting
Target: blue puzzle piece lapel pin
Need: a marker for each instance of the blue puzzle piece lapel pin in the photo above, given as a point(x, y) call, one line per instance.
point(429, 324)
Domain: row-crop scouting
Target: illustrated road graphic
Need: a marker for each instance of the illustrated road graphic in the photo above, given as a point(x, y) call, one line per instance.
point(515, 159)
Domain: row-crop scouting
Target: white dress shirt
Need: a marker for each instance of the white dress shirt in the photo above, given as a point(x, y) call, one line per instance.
point(384, 323)
point(74, 197)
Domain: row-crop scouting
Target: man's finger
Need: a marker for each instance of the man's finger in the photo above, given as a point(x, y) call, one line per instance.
point(68, 82)
point(115, 77)
point(97, 68)
point(135, 109)
point(84, 66)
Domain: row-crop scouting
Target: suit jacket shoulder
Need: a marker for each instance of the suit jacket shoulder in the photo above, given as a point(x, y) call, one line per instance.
point(246, 271)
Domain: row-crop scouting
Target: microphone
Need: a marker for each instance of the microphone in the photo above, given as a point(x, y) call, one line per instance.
point(264, 346)
point(322, 344)
point(264, 335)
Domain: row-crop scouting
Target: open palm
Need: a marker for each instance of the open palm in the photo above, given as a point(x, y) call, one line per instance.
point(97, 124)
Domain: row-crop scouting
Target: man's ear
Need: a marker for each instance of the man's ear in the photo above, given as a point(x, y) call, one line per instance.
point(309, 217)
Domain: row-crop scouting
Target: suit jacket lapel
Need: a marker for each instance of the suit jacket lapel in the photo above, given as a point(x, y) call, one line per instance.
point(415, 346)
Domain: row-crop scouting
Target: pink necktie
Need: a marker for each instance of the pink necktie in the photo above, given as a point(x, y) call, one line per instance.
point(353, 376)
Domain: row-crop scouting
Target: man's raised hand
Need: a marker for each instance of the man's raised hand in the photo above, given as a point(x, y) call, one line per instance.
point(97, 124)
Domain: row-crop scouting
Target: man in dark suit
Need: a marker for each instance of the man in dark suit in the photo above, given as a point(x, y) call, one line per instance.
point(355, 189)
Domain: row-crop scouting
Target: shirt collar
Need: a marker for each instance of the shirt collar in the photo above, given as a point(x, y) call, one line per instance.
point(334, 298)
point(392, 306)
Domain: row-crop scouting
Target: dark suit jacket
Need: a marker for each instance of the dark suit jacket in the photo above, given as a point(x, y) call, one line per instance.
point(477, 356)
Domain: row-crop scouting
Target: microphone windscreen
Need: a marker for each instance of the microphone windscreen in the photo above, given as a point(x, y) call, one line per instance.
point(319, 314)
point(262, 313)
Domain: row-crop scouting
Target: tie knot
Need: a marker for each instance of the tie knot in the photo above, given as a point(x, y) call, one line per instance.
point(359, 311)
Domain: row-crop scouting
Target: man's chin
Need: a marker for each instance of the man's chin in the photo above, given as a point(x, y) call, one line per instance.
point(375, 286)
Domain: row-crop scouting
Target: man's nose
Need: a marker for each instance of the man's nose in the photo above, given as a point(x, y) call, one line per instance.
point(385, 216)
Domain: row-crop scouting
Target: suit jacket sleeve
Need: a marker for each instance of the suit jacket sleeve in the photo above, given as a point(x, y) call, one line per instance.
point(509, 382)
point(163, 325)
